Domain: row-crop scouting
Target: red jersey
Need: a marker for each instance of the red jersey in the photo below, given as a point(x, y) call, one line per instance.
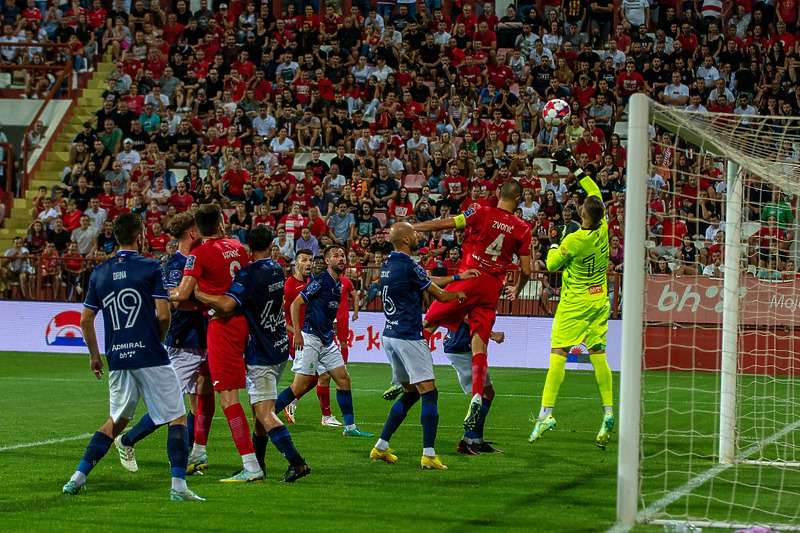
point(49, 263)
point(472, 203)
point(72, 262)
point(629, 85)
point(343, 314)
point(73, 221)
point(159, 244)
point(493, 237)
point(455, 185)
point(151, 217)
point(672, 233)
point(291, 289)
point(181, 203)
point(214, 263)
point(236, 181)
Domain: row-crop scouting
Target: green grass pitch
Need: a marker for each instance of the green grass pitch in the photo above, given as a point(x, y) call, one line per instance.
point(563, 483)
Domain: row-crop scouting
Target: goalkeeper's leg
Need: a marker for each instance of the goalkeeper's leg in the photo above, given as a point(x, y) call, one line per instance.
point(596, 341)
point(555, 377)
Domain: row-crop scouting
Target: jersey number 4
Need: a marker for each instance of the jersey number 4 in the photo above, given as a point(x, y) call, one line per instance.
point(123, 307)
point(496, 248)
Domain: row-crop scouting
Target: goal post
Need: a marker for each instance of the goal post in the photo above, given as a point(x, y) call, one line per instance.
point(709, 409)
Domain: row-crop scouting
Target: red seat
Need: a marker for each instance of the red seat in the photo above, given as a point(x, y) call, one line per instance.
point(381, 216)
point(413, 182)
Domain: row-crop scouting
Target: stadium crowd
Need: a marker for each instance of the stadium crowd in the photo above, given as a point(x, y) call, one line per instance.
point(331, 126)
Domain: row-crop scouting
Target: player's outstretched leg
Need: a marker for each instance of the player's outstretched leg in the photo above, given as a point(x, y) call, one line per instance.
point(240, 431)
point(178, 453)
point(480, 369)
point(276, 432)
point(398, 413)
point(555, 377)
point(480, 444)
point(324, 397)
point(97, 448)
point(206, 406)
point(429, 418)
point(344, 397)
point(260, 441)
point(125, 443)
point(602, 374)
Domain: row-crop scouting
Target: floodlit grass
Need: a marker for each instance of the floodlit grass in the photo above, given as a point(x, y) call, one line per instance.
point(563, 483)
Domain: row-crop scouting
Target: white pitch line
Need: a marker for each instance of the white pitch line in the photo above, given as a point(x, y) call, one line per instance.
point(44, 442)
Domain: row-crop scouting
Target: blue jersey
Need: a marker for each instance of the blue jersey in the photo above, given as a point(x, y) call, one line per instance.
point(322, 296)
point(124, 288)
point(403, 283)
point(258, 290)
point(459, 341)
point(187, 329)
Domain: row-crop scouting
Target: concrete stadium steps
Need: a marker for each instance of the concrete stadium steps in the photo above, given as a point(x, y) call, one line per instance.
point(48, 170)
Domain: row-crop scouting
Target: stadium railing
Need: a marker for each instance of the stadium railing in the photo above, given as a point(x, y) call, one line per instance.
point(7, 165)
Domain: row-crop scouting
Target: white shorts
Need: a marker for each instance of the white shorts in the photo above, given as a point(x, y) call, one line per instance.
point(411, 360)
point(157, 385)
point(316, 357)
point(262, 382)
point(187, 363)
point(462, 362)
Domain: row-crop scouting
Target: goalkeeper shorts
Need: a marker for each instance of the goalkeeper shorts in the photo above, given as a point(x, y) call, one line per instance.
point(576, 322)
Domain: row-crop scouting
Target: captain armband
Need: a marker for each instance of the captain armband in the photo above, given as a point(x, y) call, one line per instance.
point(461, 221)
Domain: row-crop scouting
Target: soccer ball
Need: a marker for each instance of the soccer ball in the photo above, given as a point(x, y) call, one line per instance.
point(556, 112)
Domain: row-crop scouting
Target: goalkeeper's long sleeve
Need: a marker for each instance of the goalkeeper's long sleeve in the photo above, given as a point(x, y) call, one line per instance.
point(588, 183)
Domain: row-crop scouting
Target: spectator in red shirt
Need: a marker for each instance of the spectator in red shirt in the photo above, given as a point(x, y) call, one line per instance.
point(71, 217)
point(453, 261)
point(474, 199)
point(486, 37)
point(672, 232)
point(172, 29)
point(158, 241)
point(426, 261)
point(118, 208)
point(292, 223)
point(181, 199)
point(235, 177)
point(455, 187)
point(315, 222)
point(629, 83)
point(300, 198)
point(590, 147)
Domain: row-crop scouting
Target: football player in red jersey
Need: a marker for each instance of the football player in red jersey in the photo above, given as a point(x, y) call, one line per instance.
point(493, 236)
point(211, 268)
point(303, 261)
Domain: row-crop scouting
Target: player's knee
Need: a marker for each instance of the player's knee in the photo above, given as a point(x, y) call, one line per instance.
point(180, 421)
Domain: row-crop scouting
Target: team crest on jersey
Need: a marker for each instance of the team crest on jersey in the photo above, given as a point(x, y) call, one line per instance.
point(189, 263)
point(175, 276)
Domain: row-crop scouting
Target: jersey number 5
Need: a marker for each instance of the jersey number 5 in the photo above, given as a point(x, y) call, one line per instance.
point(123, 307)
point(496, 248)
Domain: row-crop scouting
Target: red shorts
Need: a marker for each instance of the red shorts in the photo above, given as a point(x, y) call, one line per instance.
point(227, 339)
point(483, 293)
point(343, 334)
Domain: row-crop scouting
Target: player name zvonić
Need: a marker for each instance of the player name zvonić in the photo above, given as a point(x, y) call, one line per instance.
point(230, 254)
point(127, 346)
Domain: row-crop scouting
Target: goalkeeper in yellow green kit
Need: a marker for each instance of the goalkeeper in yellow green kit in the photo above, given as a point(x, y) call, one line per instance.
point(582, 313)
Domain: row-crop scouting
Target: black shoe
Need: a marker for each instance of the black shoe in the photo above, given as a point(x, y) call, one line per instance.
point(293, 473)
point(486, 447)
point(467, 449)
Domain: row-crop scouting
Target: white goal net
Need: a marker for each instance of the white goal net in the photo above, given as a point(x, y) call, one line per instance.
point(710, 400)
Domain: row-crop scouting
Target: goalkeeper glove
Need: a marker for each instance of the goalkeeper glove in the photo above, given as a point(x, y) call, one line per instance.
point(563, 157)
point(556, 234)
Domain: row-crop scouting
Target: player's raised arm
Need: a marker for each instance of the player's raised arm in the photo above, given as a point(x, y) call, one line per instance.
point(445, 296)
point(564, 158)
point(219, 302)
point(446, 280)
point(439, 225)
point(182, 292)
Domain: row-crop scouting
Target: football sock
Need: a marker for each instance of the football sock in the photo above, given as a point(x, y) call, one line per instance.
point(260, 443)
point(284, 398)
point(206, 405)
point(143, 428)
point(95, 450)
point(430, 421)
point(314, 380)
point(178, 454)
point(602, 374)
point(345, 400)
point(345, 349)
point(555, 377)
point(397, 414)
point(190, 427)
point(324, 397)
point(283, 442)
point(480, 369)
point(240, 430)
point(427, 334)
point(382, 445)
point(544, 411)
point(485, 405)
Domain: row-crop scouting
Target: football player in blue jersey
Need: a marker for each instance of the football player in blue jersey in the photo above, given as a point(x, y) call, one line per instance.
point(129, 290)
point(257, 290)
point(186, 346)
point(458, 349)
point(315, 351)
point(403, 283)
